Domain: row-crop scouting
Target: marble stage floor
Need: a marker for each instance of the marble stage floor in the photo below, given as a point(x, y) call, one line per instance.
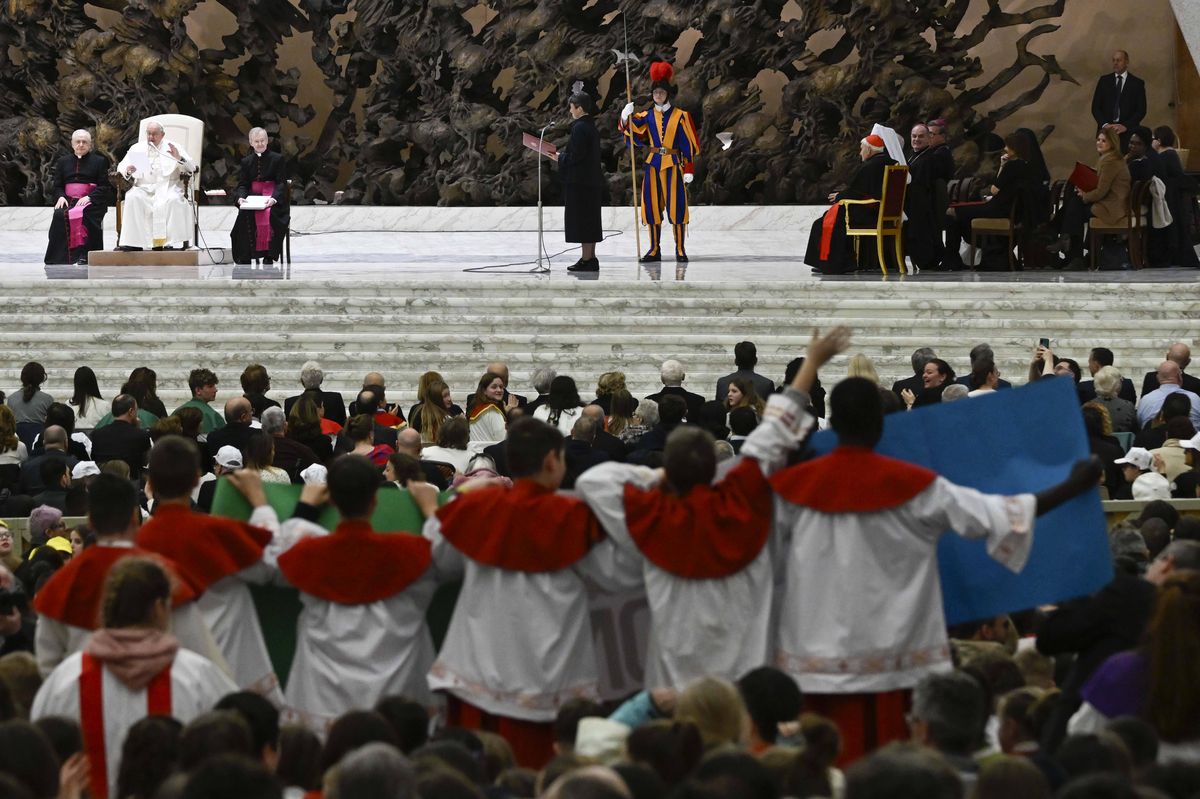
point(725, 245)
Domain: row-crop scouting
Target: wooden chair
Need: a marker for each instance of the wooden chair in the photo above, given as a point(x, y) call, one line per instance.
point(889, 221)
point(1135, 229)
point(189, 133)
point(1010, 228)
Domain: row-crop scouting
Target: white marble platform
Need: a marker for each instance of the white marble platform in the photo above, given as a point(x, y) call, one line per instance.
point(403, 327)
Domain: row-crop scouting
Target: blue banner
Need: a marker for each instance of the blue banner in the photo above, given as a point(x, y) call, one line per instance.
point(1010, 442)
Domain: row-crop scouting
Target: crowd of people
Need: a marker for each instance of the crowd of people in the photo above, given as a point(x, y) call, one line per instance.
point(1016, 184)
point(796, 644)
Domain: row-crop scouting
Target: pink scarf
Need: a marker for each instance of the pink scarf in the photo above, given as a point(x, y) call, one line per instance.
point(135, 655)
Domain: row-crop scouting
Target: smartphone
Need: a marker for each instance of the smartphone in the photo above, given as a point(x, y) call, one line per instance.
point(1044, 342)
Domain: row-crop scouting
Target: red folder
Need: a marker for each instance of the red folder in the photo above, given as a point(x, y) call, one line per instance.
point(547, 149)
point(1084, 177)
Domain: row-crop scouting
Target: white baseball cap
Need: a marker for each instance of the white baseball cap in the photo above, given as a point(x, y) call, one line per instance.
point(229, 457)
point(84, 469)
point(1191, 443)
point(1137, 456)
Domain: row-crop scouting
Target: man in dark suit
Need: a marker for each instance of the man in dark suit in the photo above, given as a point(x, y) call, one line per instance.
point(236, 432)
point(745, 358)
point(123, 440)
point(916, 383)
point(1181, 354)
point(977, 354)
point(672, 375)
point(408, 442)
point(311, 377)
point(56, 481)
point(580, 454)
point(1119, 101)
point(55, 439)
point(1099, 358)
point(605, 441)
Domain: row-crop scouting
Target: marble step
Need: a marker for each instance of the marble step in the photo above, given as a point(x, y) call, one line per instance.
point(349, 327)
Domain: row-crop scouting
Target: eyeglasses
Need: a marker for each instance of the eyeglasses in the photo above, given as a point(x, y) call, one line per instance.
point(6, 535)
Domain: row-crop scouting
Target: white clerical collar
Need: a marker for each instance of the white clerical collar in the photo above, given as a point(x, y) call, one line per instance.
point(664, 108)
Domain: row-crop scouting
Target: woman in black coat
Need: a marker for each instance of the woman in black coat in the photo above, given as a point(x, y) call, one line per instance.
point(583, 183)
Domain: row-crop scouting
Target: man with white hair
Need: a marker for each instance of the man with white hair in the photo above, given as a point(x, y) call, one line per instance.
point(259, 232)
point(311, 378)
point(540, 379)
point(82, 193)
point(290, 455)
point(672, 375)
point(156, 214)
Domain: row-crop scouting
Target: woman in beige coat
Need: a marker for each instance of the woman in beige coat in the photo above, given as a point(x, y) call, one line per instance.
point(1107, 204)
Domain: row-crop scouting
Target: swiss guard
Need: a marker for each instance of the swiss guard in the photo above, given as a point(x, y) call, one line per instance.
point(670, 135)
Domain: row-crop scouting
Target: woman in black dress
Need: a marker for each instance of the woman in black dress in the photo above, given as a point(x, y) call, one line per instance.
point(583, 183)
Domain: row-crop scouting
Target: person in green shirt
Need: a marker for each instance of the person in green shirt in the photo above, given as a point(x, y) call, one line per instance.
point(203, 384)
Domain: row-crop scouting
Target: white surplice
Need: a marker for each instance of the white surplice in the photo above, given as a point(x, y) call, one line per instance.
point(861, 605)
point(227, 607)
point(700, 627)
point(197, 684)
point(348, 657)
point(54, 641)
point(156, 212)
point(489, 426)
point(520, 643)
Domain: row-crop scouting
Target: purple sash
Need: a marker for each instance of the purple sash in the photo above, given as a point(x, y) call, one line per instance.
point(77, 236)
point(262, 219)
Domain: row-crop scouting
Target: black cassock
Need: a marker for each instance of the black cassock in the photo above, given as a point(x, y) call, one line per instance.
point(92, 168)
point(583, 183)
point(925, 205)
point(270, 167)
point(867, 184)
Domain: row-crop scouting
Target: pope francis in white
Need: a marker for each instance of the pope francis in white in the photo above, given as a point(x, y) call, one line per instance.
point(156, 211)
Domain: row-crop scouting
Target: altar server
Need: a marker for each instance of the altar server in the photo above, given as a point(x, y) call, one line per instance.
point(82, 193)
point(68, 605)
point(218, 558)
point(861, 619)
point(670, 135)
point(260, 234)
point(361, 634)
point(156, 213)
point(703, 549)
point(520, 642)
point(130, 668)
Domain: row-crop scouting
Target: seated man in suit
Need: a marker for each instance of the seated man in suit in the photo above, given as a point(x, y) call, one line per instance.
point(1181, 354)
point(1099, 358)
point(311, 378)
point(672, 376)
point(1119, 101)
point(156, 212)
point(745, 358)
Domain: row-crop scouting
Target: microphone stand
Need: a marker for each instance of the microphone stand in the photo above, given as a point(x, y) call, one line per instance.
point(541, 268)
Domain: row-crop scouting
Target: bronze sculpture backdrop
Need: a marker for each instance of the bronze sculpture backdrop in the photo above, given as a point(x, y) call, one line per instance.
point(444, 101)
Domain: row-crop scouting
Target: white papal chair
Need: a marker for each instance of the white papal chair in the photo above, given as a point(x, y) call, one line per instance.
point(188, 132)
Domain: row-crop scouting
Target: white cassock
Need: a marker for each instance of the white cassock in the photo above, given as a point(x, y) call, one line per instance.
point(861, 605)
point(520, 642)
point(196, 685)
point(56, 639)
point(156, 212)
point(350, 654)
point(715, 622)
